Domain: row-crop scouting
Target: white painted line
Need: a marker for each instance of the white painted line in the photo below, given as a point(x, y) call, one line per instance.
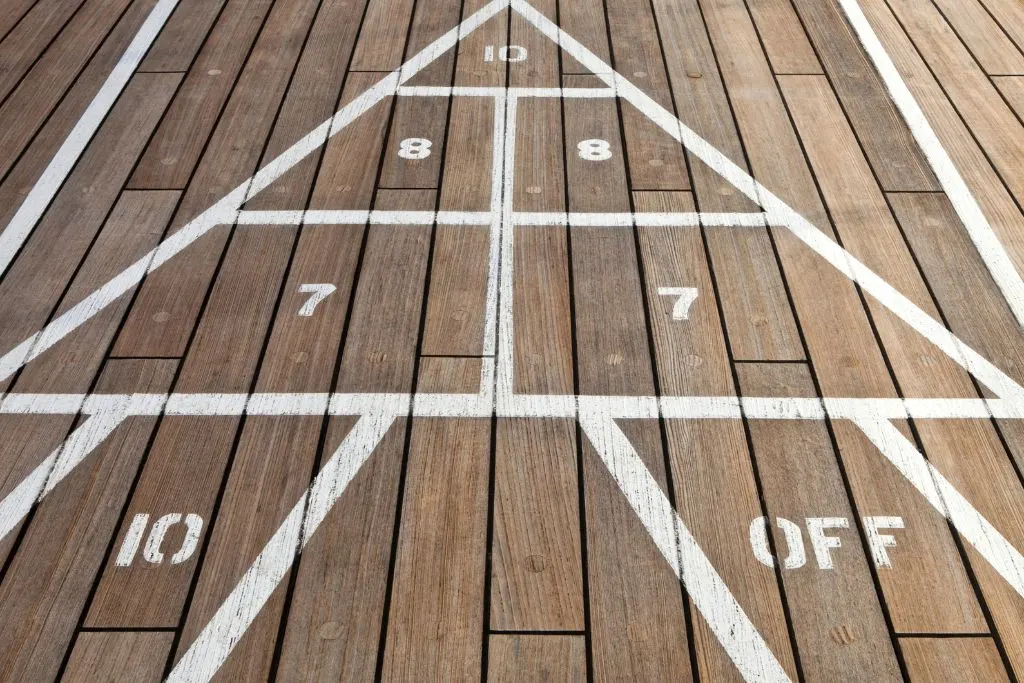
point(56, 466)
point(712, 598)
point(225, 210)
point(985, 240)
point(941, 494)
point(780, 213)
point(505, 370)
point(503, 142)
point(53, 176)
point(220, 635)
point(470, 91)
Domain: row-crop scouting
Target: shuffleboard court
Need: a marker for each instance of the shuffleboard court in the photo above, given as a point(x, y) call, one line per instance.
point(506, 340)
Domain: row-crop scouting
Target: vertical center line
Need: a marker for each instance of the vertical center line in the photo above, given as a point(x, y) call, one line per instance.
point(505, 274)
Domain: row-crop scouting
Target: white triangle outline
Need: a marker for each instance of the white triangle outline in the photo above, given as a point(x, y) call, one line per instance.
point(597, 415)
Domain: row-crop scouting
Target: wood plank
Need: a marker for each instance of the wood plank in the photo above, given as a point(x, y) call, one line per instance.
point(334, 623)
point(189, 456)
point(271, 470)
point(174, 151)
point(37, 278)
point(177, 290)
point(537, 571)
point(435, 624)
point(887, 141)
point(416, 118)
point(33, 35)
point(540, 69)
point(839, 337)
point(13, 12)
point(992, 123)
point(433, 19)
point(785, 41)
point(631, 585)
point(952, 659)
point(536, 658)
point(757, 317)
point(457, 299)
point(1010, 16)
point(380, 352)
point(182, 36)
point(655, 160)
point(996, 203)
point(801, 479)
point(119, 657)
point(985, 39)
point(706, 457)
point(382, 39)
point(49, 136)
point(1012, 89)
point(584, 20)
point(471, 69)
point(47, 585)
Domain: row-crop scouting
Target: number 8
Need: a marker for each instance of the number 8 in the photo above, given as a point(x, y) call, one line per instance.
point(414, 148)
point(594, 150)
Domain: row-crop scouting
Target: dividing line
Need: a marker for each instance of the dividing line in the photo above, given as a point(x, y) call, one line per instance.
point(220, 635)
point(984, 238)
point(949, 503)
point(52, 470)
point(712, 598)
point(42, 193)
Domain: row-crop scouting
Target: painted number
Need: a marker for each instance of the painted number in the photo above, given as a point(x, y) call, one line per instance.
point(152, 552)
point(506, 53)
point(317, 294)
point(685, 296)
point(822, 542)
point(594, 150)
point(414, 148)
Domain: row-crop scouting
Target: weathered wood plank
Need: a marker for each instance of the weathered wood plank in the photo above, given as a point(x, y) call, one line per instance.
point(536, 658)
point(119, 657)
point(952, 659)
point(785, 41)
point(985, 39)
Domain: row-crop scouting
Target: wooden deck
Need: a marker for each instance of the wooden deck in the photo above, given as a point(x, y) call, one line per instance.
point(484, 340)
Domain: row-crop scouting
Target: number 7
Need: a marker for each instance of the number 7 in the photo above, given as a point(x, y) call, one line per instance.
point(318, 293)
point(686, 297)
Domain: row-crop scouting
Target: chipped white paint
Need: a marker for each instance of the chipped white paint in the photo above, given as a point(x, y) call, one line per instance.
point(822, 543)
point(712, 598)
point(685, 296)
point(796, 555)
point(218, 638)
point(879, 542)
point(985, 240)
point(132, 540)
point(317, 292)
point(152, 552)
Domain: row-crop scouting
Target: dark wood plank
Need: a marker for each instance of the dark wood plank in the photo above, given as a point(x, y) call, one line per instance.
point(435, 624)
point(936, 660)
point(119, 657)
point(187, 462)
point(177, 290)
point(536, 658)
point(423, 118)
point(12, 12)
point(48, 583)
point(49, 136)
point(37, 278)
point(380, 352)
point(433, 19)
point(801, 479)
point(382, 38)
point(182, 36)
point(471, 69)
point(33, 35)
point(456, 303)
point(631, 585)
point(540, 69)
point(887, 141)
point(785, 41)
point(584, 20)
point(656, 161)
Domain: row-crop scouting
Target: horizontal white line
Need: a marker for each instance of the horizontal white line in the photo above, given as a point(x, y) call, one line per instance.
point(521, 405)
point(468, 91)
point(523, 219)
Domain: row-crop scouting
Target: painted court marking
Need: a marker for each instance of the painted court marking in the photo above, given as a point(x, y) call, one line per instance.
point(596, 414)
point(56, 172)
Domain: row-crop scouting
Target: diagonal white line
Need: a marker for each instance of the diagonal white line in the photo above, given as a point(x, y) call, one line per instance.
point(46, 187)
point(949, 502)
point(960, 196)
point(779, 213)
point(712, 598)
point(58, 464)
point(218, 638)
point(224, 211)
